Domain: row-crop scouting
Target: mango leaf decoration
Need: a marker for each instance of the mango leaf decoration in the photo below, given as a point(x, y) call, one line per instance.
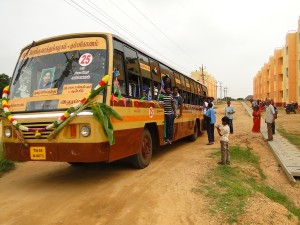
point(102, 114)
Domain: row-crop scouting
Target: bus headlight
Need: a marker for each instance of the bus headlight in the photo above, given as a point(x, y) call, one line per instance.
point(85, 131)
point(7, 132)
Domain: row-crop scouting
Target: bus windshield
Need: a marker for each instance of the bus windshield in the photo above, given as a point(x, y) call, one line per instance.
point(53, 81)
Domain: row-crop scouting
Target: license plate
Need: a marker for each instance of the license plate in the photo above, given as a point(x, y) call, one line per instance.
point(38, 153)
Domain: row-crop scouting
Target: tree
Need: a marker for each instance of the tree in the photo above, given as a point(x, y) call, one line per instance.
point(4, 81)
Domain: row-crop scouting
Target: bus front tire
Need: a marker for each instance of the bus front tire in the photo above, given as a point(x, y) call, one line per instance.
point(142, 159)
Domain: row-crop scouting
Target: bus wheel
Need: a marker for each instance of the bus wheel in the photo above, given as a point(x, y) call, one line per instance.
point(143, 157)
point(194, 136)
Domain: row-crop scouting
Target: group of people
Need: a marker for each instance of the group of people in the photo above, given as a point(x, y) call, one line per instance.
point(223, 130)
point(271, 116)
point(172, 102)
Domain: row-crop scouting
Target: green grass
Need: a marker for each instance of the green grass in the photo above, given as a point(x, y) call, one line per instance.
point(229, 186)
point(293, 138)
point(5, 165)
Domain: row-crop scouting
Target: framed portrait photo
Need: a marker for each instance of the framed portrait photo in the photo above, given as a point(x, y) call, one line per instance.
point(46, 78)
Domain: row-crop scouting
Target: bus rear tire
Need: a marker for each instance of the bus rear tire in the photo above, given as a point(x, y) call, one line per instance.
point(194, 136)
point(142, 159)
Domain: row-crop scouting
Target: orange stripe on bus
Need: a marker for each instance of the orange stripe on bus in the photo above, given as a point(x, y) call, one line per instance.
point(146, 118)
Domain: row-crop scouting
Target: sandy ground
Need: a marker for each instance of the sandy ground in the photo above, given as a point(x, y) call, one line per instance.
point(56, 193)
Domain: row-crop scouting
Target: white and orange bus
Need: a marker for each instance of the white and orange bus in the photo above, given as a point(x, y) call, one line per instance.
point(45, 120)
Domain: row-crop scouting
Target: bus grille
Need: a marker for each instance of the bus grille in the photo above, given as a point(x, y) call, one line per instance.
point(31, 135)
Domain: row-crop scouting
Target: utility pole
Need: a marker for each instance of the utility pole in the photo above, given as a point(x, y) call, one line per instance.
point(225, 93)
point(220, 86)
point(221, 89)
point(216, 90)
point(202, 73)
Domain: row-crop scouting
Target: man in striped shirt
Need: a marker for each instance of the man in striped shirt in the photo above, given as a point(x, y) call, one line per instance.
point(169, 113)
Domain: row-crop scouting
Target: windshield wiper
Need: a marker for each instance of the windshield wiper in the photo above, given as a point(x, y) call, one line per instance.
point(65, 73)
point(23, 64)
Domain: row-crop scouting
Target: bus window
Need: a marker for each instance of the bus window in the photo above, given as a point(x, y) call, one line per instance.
point(182, 82)
point(132, 67)
point(144, 65)
point(177, 80)
point(187, 84)
point(172, 78)
point(155, 71)
point(184, 97)
point(192, 83)
point(118, 45)
point(155, 74)
point(147, 89)
point(204, 91)
point(119, 66)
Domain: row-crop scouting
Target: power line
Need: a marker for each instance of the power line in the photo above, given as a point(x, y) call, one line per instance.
point(103, 23)
point(111, 28)
point(133, 20)
point(163, 33)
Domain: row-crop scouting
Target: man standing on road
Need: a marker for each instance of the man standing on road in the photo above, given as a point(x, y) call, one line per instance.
point(270, 117)
point(229, 111)
point(210, 120)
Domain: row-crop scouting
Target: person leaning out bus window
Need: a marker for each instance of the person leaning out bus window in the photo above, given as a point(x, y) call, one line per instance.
point(169, 115)
point(166, 82)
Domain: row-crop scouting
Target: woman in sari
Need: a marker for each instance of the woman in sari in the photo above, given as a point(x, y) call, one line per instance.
point(256, 119)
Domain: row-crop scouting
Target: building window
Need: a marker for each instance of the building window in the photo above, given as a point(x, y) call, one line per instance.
point(287, 50)
point(287, 72)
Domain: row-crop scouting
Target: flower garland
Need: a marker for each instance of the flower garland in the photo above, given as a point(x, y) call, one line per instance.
point(101, 85)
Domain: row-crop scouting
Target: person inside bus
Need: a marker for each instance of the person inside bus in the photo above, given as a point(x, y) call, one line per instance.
point(45, 82)
point(133, 88)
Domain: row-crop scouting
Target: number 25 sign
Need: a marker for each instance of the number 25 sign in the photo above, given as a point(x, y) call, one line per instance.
point(85, 59)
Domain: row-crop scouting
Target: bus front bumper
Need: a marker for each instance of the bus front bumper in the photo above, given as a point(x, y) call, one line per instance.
point(57, 152)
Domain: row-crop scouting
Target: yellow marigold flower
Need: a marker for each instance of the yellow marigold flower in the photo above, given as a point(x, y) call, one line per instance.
point(4, 102)
point(88, 95)
point(37, 134)
point(9, 117)
point(66, 114)
point(105, 78)
point(6, 88)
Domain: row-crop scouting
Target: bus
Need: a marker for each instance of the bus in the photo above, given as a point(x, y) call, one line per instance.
point(92, 97)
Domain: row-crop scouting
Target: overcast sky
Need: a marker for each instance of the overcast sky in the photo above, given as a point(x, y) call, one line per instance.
point(232, 39)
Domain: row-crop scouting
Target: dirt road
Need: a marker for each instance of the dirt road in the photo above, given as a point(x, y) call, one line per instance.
point(114, 194)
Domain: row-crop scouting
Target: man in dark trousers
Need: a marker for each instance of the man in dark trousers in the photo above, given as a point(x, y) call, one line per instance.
point(169, 115)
